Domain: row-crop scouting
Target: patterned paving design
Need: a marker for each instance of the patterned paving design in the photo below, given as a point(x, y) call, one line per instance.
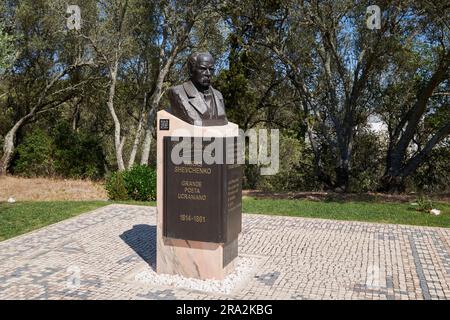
point(96, 256)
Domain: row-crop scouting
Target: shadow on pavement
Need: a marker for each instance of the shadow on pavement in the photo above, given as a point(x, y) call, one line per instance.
point(142, 239)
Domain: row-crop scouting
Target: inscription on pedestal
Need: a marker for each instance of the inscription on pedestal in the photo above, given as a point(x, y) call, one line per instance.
point(202, 201)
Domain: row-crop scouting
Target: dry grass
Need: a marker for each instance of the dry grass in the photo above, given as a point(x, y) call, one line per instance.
point(44, 189)
point(339, 197)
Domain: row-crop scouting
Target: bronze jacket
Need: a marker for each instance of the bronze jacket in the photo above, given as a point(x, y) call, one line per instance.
point(188, 104)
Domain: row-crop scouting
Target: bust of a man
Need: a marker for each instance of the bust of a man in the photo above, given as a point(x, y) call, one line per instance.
point(196, 101)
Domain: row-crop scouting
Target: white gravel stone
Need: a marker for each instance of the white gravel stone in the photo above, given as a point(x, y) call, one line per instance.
point(244, 267)
point(436, 212)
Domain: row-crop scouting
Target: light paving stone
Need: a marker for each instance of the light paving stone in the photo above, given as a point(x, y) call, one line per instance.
point(98, 255)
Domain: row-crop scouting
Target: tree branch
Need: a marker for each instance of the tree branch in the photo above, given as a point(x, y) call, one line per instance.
point(415, 161)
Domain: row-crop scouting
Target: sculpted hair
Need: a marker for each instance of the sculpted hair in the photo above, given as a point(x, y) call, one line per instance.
point(192, 60)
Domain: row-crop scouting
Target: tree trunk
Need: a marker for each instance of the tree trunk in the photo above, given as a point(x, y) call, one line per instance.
point(318, 170)
point(146, 146)
point(166, 65)
point(8, 149)
point(156, 97)
point(413, 163)
point(8, 145)
point(148, 137)
point(394, 178)
point(342, 178)
point(392, 184)
point(137, 138)
point(341, 184)
point(118, 140)
point(76, 115)
point(398, 166)
point(345, 143)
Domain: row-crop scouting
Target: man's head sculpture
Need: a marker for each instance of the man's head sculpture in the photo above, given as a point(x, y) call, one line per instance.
point(196, 101)
point(201, 69)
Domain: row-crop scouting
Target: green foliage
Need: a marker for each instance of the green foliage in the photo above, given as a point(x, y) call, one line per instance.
point(63, 153)
point(366, 168)
point(434, 174)
point(35, 155)
point(424, 203)
point(6, 50)
point(78, 155)
point(22, 217)
point(250, 176)
point(140, 182)
point(293, 174)
point(270, 75)
point(137, 183)
point(391, 212)
point(115, 186)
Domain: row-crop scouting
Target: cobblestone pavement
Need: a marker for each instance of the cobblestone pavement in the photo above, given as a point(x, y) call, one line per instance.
point(97, 255)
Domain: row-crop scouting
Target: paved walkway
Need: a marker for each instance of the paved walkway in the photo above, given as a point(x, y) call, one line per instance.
point(98, 254)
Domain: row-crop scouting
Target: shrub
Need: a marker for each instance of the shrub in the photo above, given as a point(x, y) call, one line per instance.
point(367, 162)
point(77, 155)
point(424, 203)
point(140, 182)
point(137, 183)
point(35, 155)
point(434, 174)
point(115, 186)
point(294, 162)
point(250, 176)
point(61, 152)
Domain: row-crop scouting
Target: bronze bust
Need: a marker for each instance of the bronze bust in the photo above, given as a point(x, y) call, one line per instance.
point(196, 101)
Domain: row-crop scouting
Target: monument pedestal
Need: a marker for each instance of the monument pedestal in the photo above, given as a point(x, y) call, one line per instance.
point(199, 205)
